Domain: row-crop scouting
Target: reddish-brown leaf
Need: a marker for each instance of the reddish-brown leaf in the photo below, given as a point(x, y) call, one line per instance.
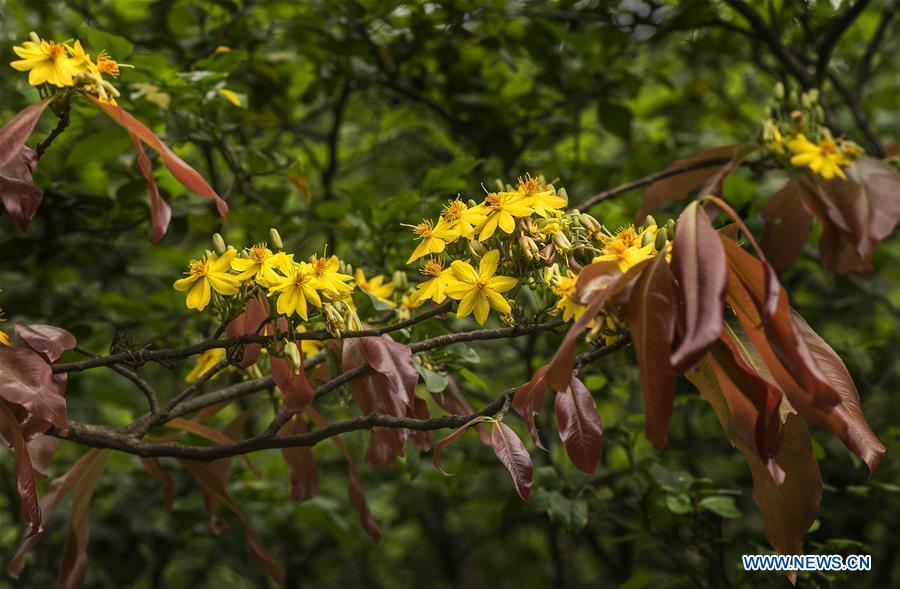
point(57, 491)
point(527, 401)
point(385, 446)
point(394, 361)
point(73, 568)
point(788, 224)
point(789, 506)
point(292, 383)
point(160, 211)
point(452, 401)
point(154, 468)
point(27, 381)
point(678, 186)
point(698, 262)
point(47, 340)
point(300, 463)
point(651, 318)
point(513, 455)
point(439, 447)
point(579, 426)
point(260, 556)
point(25, 484)
point(42, 450)
point(249, 322)
point(746, 295)
point(18, 129)
point(19, 195)
point(596, 284)
point(184, 173)
point(859, 437)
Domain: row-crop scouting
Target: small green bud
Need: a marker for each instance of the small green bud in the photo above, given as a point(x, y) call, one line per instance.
point(34, 38)
point(648, 238)
point(589, 222)
point(661, 240)
point(219, 244)
point(563, 194)
point(779, 91)
point(561, 242)
point(476, 249)
point(399, 278)
point(293, 353)
point(820, 113)
point(275, 239)
point(670, 229)
point(649, 221)
point(813, 95)
point(471, 203)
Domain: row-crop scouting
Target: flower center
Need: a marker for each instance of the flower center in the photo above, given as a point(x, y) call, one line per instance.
point(494, 201)
point(828, 146)
point(301, 278)
point(481, 285)
point(423, 229)
point(454, 210)
point(198, 267)
point(260, 253)
point(55, 51)
point(432, 268)
point(530, 186)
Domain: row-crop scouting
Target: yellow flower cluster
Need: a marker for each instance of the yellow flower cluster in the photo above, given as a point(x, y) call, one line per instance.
point(295, 286)
point(788, 126)
point(66, 65)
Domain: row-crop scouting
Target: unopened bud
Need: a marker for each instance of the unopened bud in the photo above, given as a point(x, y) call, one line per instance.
point(813, 95)
point(806, 100)
point(648, 238)
point(529, 247)
point(471, 203)
point(561, 242)
point(563, 194)
point(34, 37)
point(345, 268)
point(649, 221)
point(670, 229)
point(275, 239)
point(334, 321)
point(661, 239)
point(779, 91)
point(400, 280)
point(476, 249)
point(589, 223)
point(793, 99)
point(820, 113)
point(293, 354)
point(208, 253)
point(219, 244)
point(353, 322)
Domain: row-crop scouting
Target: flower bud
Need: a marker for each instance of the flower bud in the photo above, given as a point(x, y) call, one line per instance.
point(562, 242)
point(649, 221)
point(207, 253)
point(345, 268)
point(820, 113)
point(219, 244)
point(399, 278)
point(293, 354)
point(334, 321)
point(471, 203)
point(813, 95)
point(353, 322)
point(670, 229)
point(529, 247)
point(589, 222)
point(779, 91)
point(661, 239)
point(806, 100)
point(275, 239)
point(34, 37)
point(648, 238)
point(793, 99)
point(476, 249)
point(563, 194)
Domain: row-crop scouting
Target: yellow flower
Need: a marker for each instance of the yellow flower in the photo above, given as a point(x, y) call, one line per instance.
point(310, 347)
point(434, 288)
point(564, 288)
point(376, 287)
point(539, 195)
point(824, 159)
point(205, 361)
point(46, 62)
point(4, 339)
point(261, 265)
point(108, 65)
point(462, 219)
point(501, 208)
point(295, 289)
point(328, 276)
point(480, 291)
point(434, 238)
point(206, 274)
point(624, 248)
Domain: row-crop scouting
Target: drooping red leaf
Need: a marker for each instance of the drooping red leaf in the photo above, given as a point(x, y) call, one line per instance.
point(679, 186)
point(25, 484)
point(596, 284)
point(17, 192)
point(651, 319)
point(753, 402)
point(579, 426)
point(513, 455)
point(527, 401)
point(47, 340)
point(42, 450)
point(26, 381)
point(394, 361)
point(292, 383)
point(789, 506)
point(73, 568)
point(421, 438)
point(385, 446)
point(182, 172)
point(698, 262)
point(249, 322)
point(260, 556)
point(57, 491)
point(154, 468)
point(300, 462)
point(746, 295)
point(859, 438)
point(18, 129)
point(160, 211)
point(452, 401)
point(788, 224)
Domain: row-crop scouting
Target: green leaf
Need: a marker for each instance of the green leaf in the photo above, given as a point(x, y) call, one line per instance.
point(678, 504)
point(721, 505)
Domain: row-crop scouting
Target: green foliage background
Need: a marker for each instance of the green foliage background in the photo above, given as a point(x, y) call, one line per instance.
point(356, 117)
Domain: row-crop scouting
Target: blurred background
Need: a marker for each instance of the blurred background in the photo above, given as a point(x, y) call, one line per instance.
point(336, 121)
